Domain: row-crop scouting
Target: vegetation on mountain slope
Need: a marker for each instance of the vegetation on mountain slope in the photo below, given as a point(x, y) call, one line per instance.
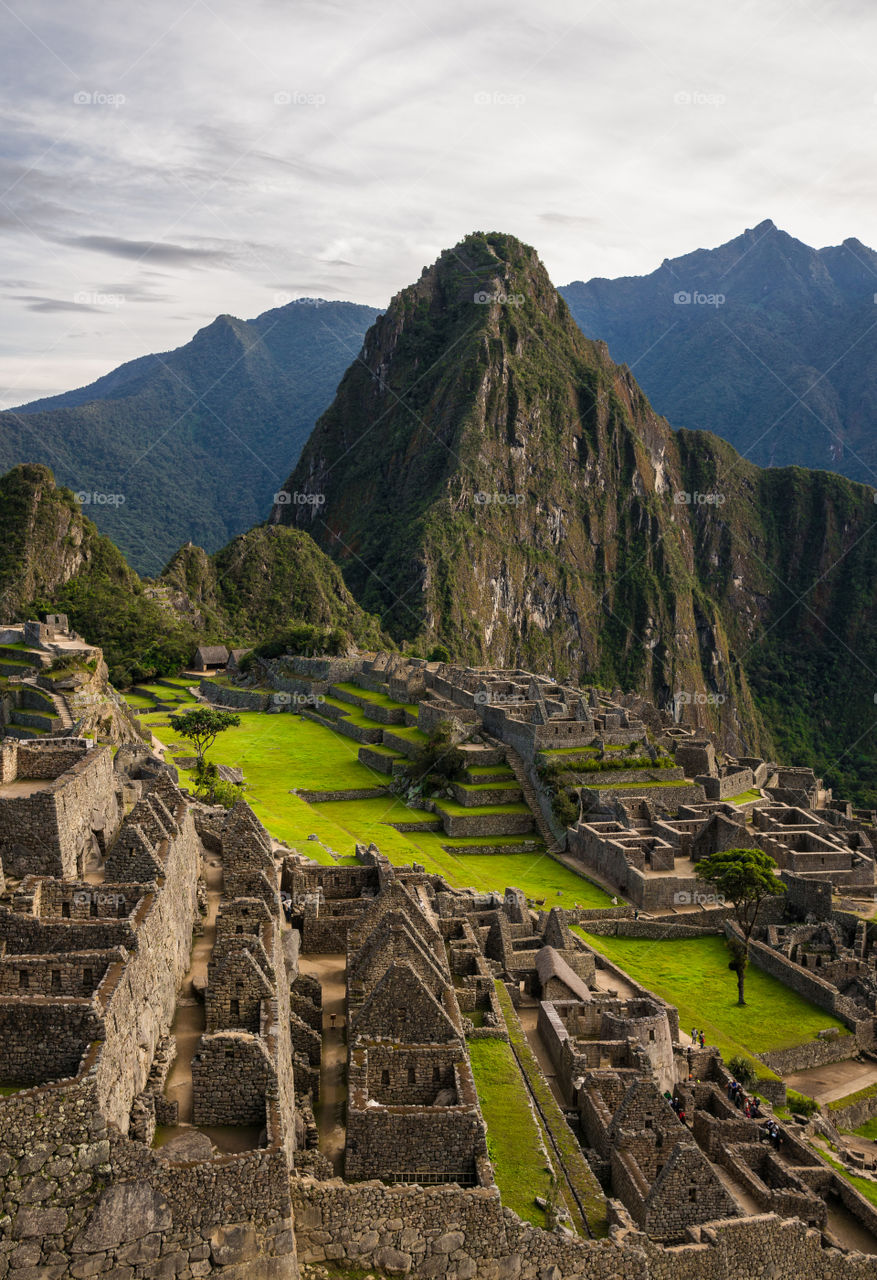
point(487, 478)
point(194, 441)
point(53, 559)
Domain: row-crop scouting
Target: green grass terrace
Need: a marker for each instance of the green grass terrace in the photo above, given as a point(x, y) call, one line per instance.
point(693, 974)
point(281, 754)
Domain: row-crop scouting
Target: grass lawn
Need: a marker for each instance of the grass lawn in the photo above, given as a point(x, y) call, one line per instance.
point(512, 1133)
point(745, 796)
point(693, 974)
point(280, 752)
point(379, 699)
point(867, 1188)
point(868, 1130)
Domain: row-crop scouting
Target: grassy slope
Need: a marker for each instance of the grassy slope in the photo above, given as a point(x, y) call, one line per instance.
point(512, 1133)
point(279, 752)
point(693, 974)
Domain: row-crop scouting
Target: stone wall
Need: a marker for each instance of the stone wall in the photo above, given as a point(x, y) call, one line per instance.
point(49, 759)
point(50, 831)
point(854, 1114)
point(80, 1199)
point(450, 1232)
point(231, 1075)
point(241, 699)
point(814, 1053)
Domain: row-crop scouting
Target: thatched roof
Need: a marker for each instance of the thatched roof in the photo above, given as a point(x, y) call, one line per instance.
point(551, 964)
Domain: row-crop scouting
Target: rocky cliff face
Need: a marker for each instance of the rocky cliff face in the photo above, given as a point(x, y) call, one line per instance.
point(46, 541)
point(488, 477)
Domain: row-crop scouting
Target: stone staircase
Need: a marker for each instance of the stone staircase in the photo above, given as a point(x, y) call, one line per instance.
point(38, 712)
point(519, 769)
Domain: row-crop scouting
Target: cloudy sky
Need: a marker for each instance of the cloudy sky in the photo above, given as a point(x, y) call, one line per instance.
point(164, 163)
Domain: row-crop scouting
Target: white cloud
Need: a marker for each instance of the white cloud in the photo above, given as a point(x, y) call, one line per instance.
point(344, 146)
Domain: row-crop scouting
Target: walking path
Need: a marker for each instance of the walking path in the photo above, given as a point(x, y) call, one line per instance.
point(189, 1023)
point(331, 973)
point(836, 1080)
point(528, 1014)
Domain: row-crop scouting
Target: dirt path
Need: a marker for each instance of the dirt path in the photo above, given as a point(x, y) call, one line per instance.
point(331, 973)
point(189, 1022)
point(847, 1230)
point(833, 1081)
point(528, 1015)
point(736, 1188)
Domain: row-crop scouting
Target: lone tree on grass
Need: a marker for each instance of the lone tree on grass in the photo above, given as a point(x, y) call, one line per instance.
point(202, 726)
point(743, 877)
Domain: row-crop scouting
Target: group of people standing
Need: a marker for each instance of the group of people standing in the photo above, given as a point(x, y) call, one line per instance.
point(697, 1037)
point(750, 1107)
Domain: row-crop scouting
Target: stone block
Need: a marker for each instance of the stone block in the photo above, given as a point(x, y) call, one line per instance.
point(449, 1242)
point(32, 1220)
point(393, 1260)
point(125, 1212)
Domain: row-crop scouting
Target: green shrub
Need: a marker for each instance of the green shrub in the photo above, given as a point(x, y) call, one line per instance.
point(800, 1104)
point(565, 807)
point(742, 1069)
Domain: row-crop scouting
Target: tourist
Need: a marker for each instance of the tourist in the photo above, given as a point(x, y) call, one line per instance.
point(701, 1037)
point(694, 1035)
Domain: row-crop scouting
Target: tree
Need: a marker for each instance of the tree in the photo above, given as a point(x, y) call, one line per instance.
point(202, 726)
point(438, 653)
point(743, 877)
point(437, 761)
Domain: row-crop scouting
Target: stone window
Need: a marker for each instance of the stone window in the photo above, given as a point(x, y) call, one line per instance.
point(652, 1034)
point(385, 1076)
point(412, 1076)
point(23, 979)
point(56, 979)
point(229, 1053)
point(234, 1011)
point(436, 1075)
point(88, 979)
point(65, 910)
point(692, 1195)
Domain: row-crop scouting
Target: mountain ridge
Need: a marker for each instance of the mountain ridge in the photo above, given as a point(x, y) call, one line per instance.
point(604, 545)
point(783, 365)
point(194, 441)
